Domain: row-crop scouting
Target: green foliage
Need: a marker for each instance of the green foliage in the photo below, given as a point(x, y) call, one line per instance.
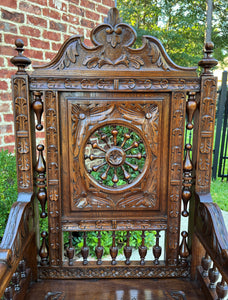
point(106, 241)
point(219, 193)
point(8, 187)
point(180, 25)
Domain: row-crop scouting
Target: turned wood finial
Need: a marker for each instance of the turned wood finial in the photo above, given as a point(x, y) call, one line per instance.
point(20, 60)
point(208, 61)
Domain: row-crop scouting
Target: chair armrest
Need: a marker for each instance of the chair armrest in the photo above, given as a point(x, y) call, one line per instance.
point(18, 236)
point(212, 233)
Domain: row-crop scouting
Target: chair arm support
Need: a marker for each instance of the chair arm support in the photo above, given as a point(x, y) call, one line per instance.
point(211, 231)
point(19, 233)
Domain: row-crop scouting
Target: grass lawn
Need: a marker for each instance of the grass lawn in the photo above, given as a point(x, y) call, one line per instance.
point(219, 193)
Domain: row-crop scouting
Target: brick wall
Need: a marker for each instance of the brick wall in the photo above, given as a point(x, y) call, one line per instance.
point(43, 25)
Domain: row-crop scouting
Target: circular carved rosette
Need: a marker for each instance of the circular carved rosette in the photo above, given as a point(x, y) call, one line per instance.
point(115, 156)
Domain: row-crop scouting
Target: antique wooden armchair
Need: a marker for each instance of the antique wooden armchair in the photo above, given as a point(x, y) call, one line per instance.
point(114, 159)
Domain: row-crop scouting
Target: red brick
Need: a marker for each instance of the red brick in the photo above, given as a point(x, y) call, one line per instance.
point(6, 73)
point(37, 43)
point(57, 26)
point(5, 129)
point(88, 4)
point(54, 36)
point(41, 2)
point(7, 50)
point(51, 13)
point(88, 42)
point(109, 3)
point(30, 8)
point(13, 16)
point(72, 19)
point(8, 139)
point(49, 55)
point(8, 117)
point(75, 2)
point(35, 54)
point(92, 15)
point(76, 10)
point(58, 5)
point(102, 9)
point(4, 96)
point(40, 22)
point(1, 62)
point(40, 135)
point(8, 27)
point(9, 148)
point(87, 23)
point(11, 38)
point(56, 46)
point(3, 85)
point(26, 30)
point(9, 3)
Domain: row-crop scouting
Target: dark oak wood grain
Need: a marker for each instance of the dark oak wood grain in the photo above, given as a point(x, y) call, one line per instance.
point(113, 159)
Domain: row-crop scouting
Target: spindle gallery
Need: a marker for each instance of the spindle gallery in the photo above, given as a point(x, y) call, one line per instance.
point(114, 161)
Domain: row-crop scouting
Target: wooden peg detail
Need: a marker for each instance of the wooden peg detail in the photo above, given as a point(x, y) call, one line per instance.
point(70, 250)
point(128, 249)
point(99, 250)
point(208, 61)
point(113, 249)
point(85, 249)
point(184, 252)
point(37, 106)
point(213, 275)
point(222, 289)
point(43, 253)
point(190, 108)
point(20, 60)
point(205, 263)
point(157, 249)
point(142, 249)
point(187, 180)
point(41, 169)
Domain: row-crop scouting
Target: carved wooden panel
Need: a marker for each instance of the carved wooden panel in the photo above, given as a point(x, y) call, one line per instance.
point(175, 176)
point(23, 133)
point(53, 187)
point(114, 160)
point(206, 132)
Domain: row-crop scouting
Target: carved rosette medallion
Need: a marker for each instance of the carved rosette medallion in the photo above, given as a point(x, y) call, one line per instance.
point(22, 132)
point(175, 181)
point(115, 148)
point(55, 251)
point(116, 156)
point(207, 117)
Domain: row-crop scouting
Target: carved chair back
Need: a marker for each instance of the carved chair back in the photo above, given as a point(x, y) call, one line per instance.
point(114, 157)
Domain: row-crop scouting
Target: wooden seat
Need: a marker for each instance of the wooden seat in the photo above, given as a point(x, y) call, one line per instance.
point(117, 160)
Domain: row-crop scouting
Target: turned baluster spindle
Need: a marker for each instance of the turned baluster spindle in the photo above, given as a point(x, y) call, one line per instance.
point(184, 252)
point(205, 263)
point(85, 249)
point(187, 182)
point(8, 294)
point(113, 249)
point(16, 281)
point(22, 268)
point(213, 275)
point(99, 250)
point(157, 249)
point(37, 106)
point(43, 253)
point(128, 249)
point(142, 249)
point(41, 169)
point(191, 107)
point(222, 290)
point(70, 250)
